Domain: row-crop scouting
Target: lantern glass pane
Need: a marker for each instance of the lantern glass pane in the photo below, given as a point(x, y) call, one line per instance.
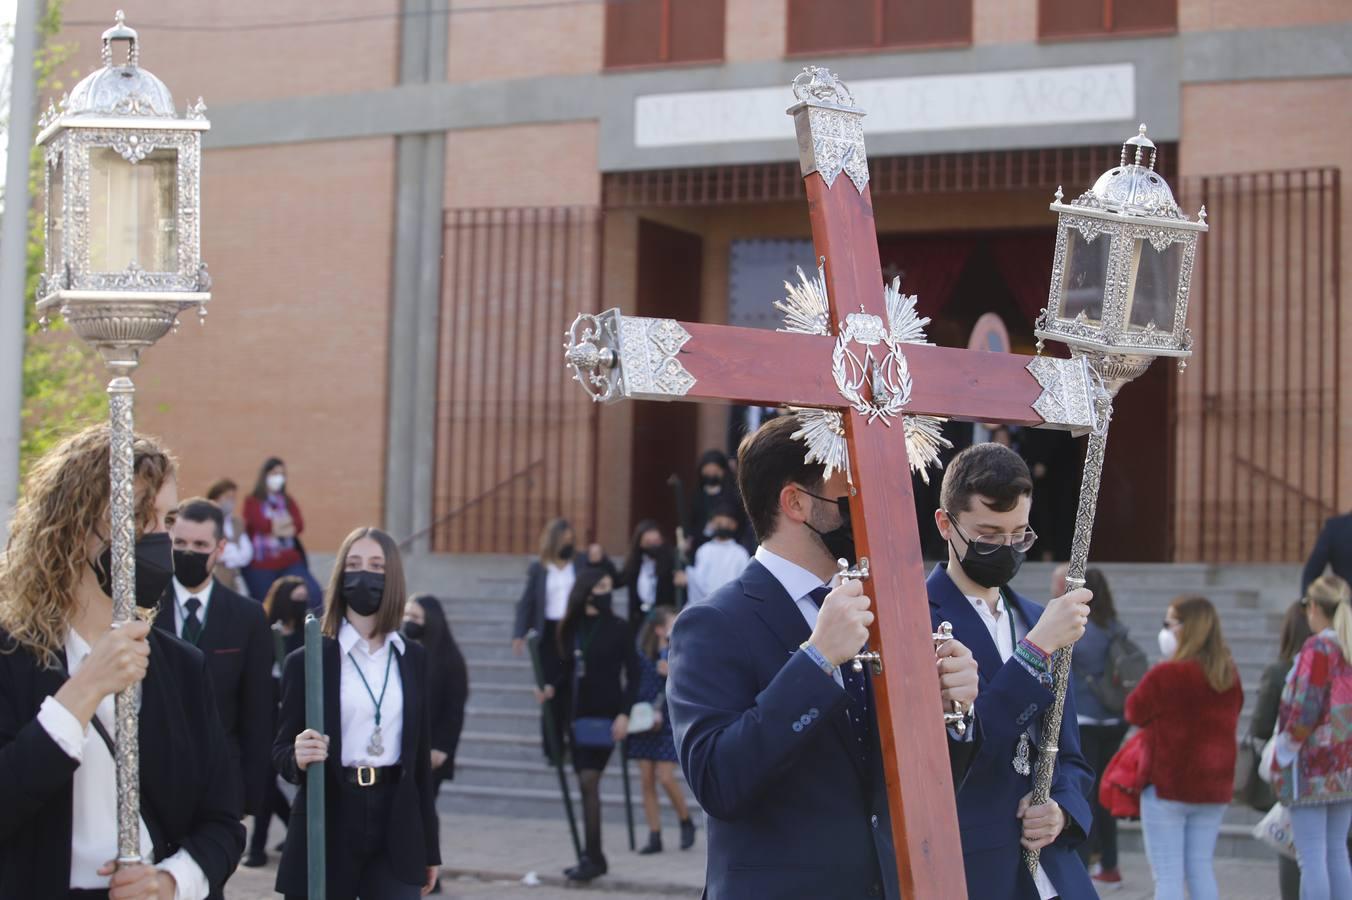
point(1156, 286)
point(1086, 275)
point(133, 210)
point(56, 211)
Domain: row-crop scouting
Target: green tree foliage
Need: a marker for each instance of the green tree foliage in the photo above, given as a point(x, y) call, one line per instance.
point(61, 386)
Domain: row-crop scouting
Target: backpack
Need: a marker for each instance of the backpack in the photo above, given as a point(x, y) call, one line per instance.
point(1126, 666)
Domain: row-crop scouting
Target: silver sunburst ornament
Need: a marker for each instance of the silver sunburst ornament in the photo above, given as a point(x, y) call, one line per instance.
point(807, 311)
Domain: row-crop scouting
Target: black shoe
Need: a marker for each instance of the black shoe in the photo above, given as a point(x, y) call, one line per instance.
point(586, 870)
point(687, 834)
point(654, 844)
point(255, 861)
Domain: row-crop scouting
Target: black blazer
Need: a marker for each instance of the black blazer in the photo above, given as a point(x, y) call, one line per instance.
point(412, 835)
point(237, 644)
point(530, 609)
point(666, 585)
point(447, 693)
point(189, 795)
point(1334, 548)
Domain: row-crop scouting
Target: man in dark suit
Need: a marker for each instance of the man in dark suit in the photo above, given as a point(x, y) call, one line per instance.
point(983, 517)
point(232, 632)
point(1334, 548)
point(775, 734)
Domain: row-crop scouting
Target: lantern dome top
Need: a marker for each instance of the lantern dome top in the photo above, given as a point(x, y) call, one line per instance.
point(120, 90)
point(1133, 187)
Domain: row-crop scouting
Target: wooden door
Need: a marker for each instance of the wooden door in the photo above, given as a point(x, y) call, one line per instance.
point(668, 286)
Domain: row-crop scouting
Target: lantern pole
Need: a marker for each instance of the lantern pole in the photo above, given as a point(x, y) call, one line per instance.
point(1132, 206)
point(123, 108)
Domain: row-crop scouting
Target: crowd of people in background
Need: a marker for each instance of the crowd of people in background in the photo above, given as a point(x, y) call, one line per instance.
point(232, 579)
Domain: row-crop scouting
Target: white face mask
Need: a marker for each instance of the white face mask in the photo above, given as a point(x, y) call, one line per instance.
point(1168, 643)
point(276, 483)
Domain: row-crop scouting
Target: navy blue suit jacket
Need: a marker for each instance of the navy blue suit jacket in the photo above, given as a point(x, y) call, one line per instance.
point(766, 747)
point(1008, 702)
point(1334, 548)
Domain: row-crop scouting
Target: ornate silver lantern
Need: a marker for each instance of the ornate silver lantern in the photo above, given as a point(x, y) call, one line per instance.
point(123, 260)
point(1123, 269)
point(1119, 298)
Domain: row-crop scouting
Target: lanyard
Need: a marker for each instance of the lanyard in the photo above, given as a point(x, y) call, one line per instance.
point(580, 647)
point(389, 661)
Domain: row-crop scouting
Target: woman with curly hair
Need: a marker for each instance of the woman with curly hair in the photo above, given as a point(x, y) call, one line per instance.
point(62, 662)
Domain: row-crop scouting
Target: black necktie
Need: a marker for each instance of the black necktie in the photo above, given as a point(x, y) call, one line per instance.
point(856, 685)
point(192, 626)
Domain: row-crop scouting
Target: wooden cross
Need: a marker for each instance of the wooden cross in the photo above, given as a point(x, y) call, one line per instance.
point(617, 356)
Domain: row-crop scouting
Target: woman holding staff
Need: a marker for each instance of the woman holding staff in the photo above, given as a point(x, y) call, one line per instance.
point(380, 818)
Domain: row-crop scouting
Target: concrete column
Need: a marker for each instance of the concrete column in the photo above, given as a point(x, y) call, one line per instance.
point(13, 256)
point(416, 289)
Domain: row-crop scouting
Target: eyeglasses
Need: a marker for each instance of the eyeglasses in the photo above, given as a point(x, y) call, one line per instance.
point(986, 544)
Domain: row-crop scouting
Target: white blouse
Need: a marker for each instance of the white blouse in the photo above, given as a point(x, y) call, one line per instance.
point(357, 710)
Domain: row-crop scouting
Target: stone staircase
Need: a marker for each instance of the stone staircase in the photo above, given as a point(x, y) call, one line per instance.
point(500, 768)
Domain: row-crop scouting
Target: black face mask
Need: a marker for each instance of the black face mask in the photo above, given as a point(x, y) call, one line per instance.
point(299, 609)
point(362, 591)
point(601, 601)
point(712, 481)
point(566, 551)
point(993, 569)
point(191, 567)
point(414, 631)
point(651, 552)
point(839, 541)
point(154, 569)
point(725, 534)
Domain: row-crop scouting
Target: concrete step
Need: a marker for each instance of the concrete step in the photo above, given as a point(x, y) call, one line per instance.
point(523, 721)
point(542, 803)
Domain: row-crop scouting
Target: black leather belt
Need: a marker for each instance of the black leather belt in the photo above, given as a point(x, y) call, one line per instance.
point(368, 776)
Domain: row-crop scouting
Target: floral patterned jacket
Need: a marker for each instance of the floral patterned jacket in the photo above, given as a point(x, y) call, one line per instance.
point(1316, 716)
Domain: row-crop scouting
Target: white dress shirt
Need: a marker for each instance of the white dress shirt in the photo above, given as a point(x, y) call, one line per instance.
point(181, 597)
point(93, 834)
point(798, 583)
point(997, 624)
point(559, 582)
point(716, 563)
point(646, 585)
point(238, 551)
point(356, 708)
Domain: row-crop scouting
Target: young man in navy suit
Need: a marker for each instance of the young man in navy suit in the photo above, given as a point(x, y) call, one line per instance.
point(983, 516)
point(775, 733)
point(232, 632)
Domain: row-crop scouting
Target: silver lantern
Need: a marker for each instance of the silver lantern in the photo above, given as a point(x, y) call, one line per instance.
point(1121, 279)
point(123, 260)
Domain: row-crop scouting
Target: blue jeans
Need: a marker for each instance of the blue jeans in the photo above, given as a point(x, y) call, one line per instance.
point(1320, 834)
point(1180, 842)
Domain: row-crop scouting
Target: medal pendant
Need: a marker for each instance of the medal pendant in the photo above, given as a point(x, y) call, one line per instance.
point(375, 746)
point(1021, 763)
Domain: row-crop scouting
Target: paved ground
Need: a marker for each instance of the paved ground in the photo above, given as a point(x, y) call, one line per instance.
point(489, 856)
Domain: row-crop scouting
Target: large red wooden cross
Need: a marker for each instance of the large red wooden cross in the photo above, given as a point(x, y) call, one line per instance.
point(869, 374)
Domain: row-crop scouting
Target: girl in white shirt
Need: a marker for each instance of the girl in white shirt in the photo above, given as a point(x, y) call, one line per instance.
point(381, 821)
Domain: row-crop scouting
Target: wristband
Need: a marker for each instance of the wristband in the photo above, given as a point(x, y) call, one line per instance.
point(1040, 652)
point(1032, 657)
point(816, 656)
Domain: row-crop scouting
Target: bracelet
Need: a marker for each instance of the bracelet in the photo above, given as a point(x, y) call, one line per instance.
point(1029, 654)
point(1043, 653)
point(816, 656)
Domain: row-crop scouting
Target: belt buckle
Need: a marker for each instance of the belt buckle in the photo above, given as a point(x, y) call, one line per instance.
point(366, 775)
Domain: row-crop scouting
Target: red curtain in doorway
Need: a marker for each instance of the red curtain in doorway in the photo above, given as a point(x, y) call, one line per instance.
point(929, 267)
point(1024, 261)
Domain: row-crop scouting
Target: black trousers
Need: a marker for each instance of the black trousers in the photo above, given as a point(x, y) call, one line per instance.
point(1098, 743)
point(274, 804)
point(362, 869)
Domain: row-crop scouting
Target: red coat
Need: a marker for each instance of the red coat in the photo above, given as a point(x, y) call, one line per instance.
point(1191, 732)
point(259, 527)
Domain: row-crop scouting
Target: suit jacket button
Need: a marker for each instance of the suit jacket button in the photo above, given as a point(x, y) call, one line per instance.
point(797, 726)
point(875, 890)
point(814, 712)
point(875, 820)
point(805, 719)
